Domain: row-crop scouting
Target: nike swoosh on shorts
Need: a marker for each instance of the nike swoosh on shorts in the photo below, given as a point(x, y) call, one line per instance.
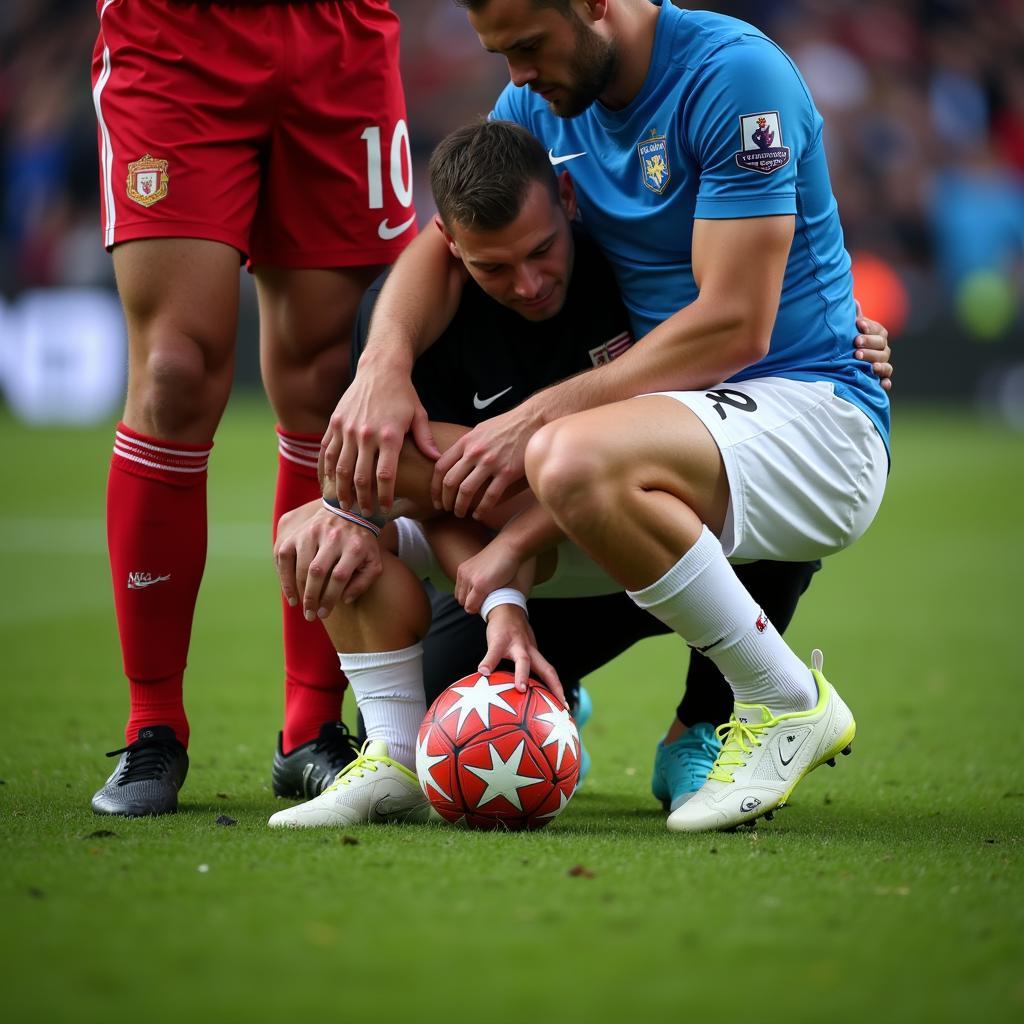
point(387, 232)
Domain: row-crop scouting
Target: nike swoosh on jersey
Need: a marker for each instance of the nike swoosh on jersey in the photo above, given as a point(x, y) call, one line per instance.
point(482, 403)
point(556, 160)
point(387, 232)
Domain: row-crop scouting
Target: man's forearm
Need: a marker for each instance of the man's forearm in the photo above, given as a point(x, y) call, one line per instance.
point(532, 532)
point(696, 348)
point(727, 328)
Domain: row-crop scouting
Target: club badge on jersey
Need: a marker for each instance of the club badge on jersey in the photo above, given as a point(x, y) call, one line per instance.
point(147, 180)
point(611, 349)
point(653, 152)
point(761, 138)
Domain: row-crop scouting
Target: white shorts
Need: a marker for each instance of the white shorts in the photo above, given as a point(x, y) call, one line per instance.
point(807, 470)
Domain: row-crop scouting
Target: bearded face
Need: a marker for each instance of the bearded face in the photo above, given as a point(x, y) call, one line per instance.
point(591, 68)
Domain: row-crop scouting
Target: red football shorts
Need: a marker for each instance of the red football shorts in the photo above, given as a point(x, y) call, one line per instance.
point(276, 128)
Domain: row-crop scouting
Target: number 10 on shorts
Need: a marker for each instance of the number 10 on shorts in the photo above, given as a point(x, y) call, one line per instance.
point(400, 169)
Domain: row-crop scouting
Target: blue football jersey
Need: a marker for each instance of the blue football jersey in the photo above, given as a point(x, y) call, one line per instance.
point(724, 127)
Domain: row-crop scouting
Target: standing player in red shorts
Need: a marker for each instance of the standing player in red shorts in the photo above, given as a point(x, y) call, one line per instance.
point(267, 131)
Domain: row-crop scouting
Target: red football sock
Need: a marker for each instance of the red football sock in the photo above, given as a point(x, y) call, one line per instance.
point(156, 535)
point(313, 683)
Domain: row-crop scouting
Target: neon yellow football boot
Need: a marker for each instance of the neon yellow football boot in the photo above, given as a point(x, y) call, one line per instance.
point(763, 758)
point(373, 788)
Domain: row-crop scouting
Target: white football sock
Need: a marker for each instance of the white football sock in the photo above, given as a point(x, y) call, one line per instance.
point(702, 599)
point(388, 688)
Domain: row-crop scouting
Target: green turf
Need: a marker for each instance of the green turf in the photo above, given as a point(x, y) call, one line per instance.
point(892, 886)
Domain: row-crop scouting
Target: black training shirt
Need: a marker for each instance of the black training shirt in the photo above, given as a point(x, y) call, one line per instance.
point(489, 359)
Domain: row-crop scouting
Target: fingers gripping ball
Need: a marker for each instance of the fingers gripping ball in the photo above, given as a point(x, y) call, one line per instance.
point(490, 757)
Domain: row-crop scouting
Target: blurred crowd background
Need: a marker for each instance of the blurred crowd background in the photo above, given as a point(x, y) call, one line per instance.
point(924, 108)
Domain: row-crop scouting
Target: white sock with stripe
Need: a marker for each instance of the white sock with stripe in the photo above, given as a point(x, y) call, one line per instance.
point(388, 687)
point(702, 599)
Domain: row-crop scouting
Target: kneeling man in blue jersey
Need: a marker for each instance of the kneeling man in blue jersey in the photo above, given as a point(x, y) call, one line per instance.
point(741, 426)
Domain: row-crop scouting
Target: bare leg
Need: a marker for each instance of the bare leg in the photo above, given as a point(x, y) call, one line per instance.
point(306, 319)
point(632, 483)
point(641, 487)
point(180, 299)
point(392, 614)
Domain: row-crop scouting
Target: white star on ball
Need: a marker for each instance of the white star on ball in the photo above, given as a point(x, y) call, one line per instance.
point(563, 730)
point(562, 801)
point(480, 697)
point(424, 762)
point(503, 778)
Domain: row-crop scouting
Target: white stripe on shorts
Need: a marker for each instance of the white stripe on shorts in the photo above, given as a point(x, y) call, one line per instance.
point(106, 150)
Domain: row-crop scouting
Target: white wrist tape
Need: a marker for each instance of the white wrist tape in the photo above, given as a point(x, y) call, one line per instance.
point(503, 595)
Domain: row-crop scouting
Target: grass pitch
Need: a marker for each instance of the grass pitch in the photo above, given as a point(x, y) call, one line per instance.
point(891, 887)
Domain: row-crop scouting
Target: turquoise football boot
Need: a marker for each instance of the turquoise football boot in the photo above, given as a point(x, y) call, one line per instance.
point(682, 767)
point(584, 709)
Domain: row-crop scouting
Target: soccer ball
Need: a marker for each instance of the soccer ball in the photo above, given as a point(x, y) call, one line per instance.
point(490, 757)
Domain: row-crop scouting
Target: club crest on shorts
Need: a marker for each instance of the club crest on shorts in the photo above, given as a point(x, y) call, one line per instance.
point(761, 138)
point(653, 153)
point(147, 180)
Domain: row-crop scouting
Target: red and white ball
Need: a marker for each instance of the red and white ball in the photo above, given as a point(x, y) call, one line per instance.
point(491, 757)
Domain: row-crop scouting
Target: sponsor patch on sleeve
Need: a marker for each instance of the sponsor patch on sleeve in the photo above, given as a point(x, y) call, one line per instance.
point(761, 138)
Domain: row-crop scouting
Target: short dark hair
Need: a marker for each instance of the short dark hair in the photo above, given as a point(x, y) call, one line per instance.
point(480, 174)
point(560, 5)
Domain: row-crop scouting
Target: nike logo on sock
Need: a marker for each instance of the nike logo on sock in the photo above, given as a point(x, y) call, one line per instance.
point(141, 580)
point(704, 650)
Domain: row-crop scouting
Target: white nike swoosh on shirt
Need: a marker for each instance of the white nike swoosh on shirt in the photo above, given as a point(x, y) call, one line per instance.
point(482, 403)
point(556, 160)
point(387, 232)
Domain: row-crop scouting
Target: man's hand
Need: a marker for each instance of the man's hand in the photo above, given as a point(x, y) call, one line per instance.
point(479, 468)
point(494, 567)
point(510, 637)
point(322, 559)
point(365, 435)
point(872, 346)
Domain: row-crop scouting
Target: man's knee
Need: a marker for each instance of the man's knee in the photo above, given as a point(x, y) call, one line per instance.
point(570, 469)
point(179, 383)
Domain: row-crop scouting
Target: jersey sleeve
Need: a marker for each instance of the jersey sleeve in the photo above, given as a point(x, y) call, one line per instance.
point(748, 123)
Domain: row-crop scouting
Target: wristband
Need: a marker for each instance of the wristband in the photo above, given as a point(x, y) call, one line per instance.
point(335, 509)
point(503, 595)
point(379, 521)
